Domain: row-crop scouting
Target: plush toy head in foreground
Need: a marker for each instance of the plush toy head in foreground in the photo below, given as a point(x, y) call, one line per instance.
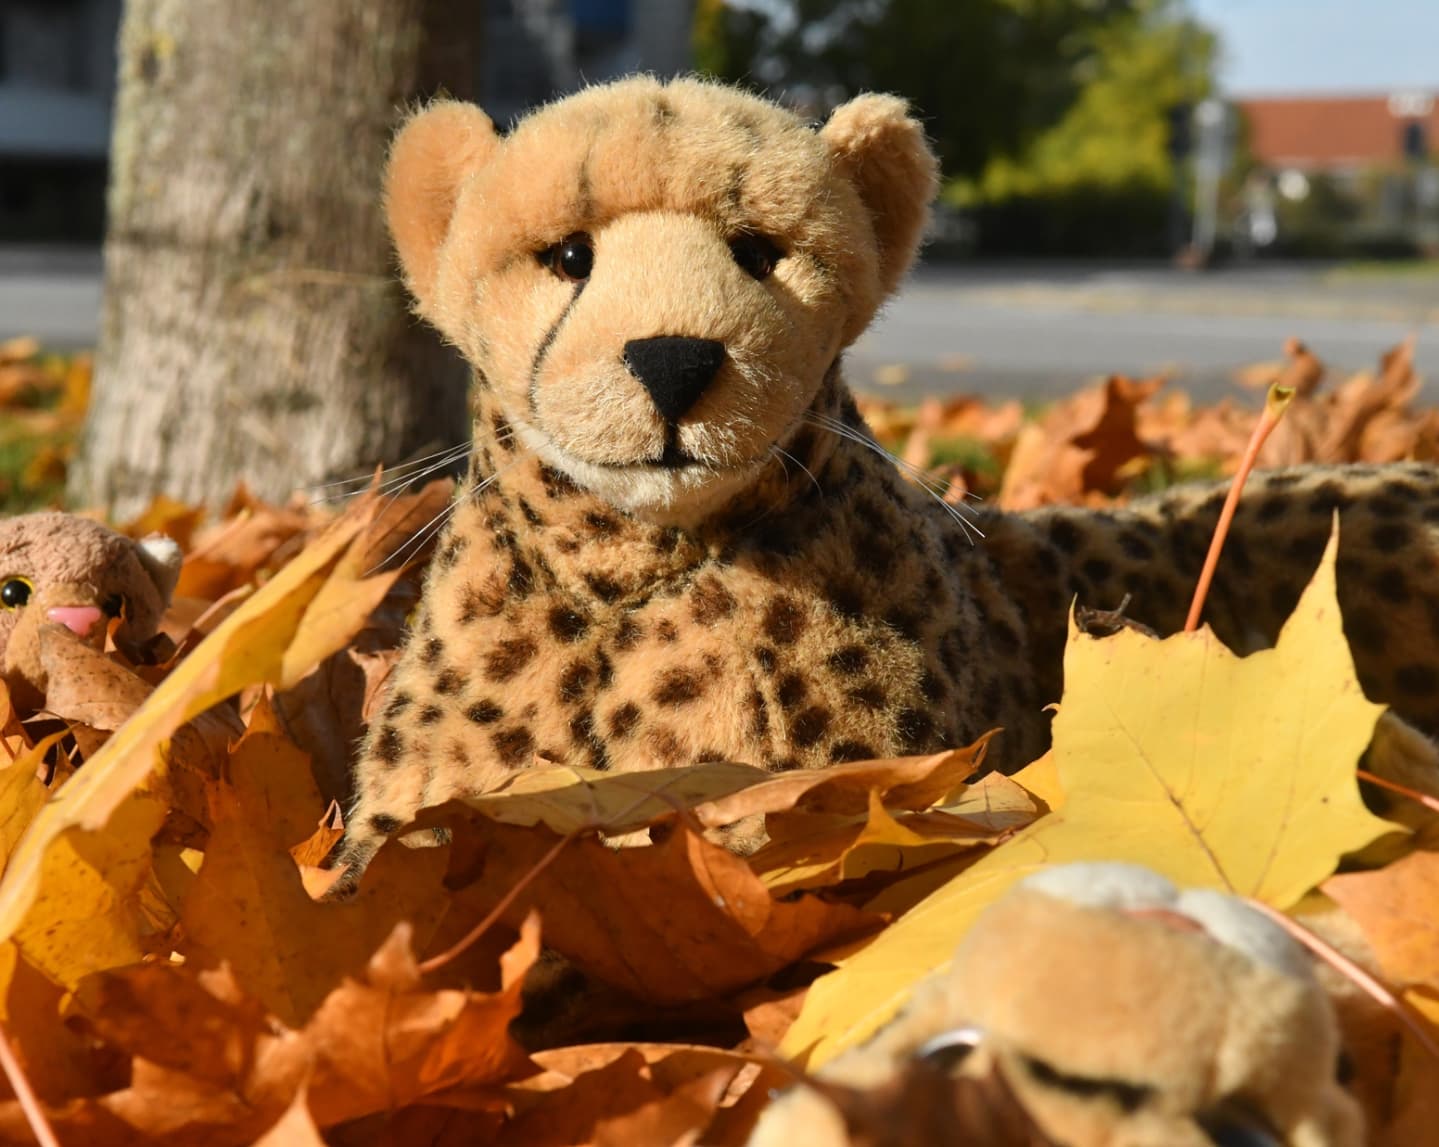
point(57, 569)
point(708, 256)
point(1121, 1013)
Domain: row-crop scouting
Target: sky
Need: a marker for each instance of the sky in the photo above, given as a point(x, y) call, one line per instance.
point(1302, 46)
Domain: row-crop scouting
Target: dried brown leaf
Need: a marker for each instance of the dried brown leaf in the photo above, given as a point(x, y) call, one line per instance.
point(821, 851)
point(295, 1128)
point(211, 1069)
point(85, 685)
point(900, 782)
point(381, 1041)
point(619, 1094)
point(1086, 445)
point(720, 930)
point(248, 907)
point(1397, 907)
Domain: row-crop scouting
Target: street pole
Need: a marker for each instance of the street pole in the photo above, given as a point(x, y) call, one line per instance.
point(1210, 119)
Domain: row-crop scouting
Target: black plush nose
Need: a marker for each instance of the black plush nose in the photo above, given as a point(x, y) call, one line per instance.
point(674, 370)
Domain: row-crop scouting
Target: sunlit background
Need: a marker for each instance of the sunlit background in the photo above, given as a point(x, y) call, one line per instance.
point(1094, 151)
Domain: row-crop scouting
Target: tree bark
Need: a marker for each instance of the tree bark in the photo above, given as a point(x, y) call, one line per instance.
point(254, 327)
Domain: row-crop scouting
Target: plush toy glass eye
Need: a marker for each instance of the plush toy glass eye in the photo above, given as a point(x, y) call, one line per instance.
point(571, 258)
point(755, 254)
point(15, 592)
point(948, 1050)
point(1233, 1127)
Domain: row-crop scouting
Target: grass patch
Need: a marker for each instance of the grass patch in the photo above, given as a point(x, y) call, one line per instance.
point(1372, 269)
point(43, 398)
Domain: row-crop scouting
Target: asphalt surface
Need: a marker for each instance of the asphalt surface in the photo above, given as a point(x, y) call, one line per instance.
point(1038, 331)
point(1030, 330)
point(53, 295)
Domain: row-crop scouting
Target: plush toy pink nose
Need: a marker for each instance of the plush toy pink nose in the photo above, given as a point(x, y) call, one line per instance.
point(78, 618)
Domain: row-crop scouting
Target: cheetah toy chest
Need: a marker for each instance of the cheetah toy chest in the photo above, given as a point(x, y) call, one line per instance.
point(677, 541)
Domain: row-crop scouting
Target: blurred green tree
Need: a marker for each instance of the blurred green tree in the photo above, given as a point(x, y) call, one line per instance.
point(1115, 133)
point(1104, 177)
point(1055, 108)
point(987, 75)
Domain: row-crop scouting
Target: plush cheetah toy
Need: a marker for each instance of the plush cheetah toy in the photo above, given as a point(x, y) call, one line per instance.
point(679, 543)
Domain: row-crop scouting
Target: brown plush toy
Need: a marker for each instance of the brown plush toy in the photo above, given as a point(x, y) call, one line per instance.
point(1169, 1019)
point(58, 569)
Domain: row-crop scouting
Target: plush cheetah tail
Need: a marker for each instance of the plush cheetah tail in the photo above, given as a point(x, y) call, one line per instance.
point(1151, 552)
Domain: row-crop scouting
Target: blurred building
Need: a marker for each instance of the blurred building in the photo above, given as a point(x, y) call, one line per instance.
point(536, 49)
point(57, 79)
point(1350, 171)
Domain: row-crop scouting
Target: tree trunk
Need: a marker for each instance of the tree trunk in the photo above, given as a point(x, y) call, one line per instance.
point(254, 327)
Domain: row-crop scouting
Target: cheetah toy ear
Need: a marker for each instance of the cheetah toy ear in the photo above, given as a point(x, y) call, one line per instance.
point(434, 154)
point(881, 148)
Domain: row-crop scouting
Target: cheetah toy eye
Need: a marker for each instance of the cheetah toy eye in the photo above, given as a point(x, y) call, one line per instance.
point(572, 258)
point(755, 254)
point(15, 592)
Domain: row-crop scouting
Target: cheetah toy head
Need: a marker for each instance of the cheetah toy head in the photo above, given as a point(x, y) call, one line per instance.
point(653, 279)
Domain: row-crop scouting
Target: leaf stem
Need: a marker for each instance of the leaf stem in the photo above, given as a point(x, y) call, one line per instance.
point(29, 1103)
point(436, 962)
point(1403, 790)
point(1275, 405)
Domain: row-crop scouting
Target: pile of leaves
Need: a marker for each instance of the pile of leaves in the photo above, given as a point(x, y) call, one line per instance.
point(167, 975)
point(1126, 436)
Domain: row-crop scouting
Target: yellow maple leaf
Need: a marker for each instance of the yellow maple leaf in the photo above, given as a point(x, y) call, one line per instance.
point(825, 849)
point(22, 796)
point(1215, 770)
point(89, 846)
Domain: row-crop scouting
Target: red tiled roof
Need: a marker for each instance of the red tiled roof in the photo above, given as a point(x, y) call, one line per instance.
point(1329, 132)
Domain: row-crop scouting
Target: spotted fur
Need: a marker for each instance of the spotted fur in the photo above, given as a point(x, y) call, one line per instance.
point(753, 580)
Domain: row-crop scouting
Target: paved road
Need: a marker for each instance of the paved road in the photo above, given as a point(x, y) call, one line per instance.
point(1039, 331)
point(53, 295)
point(1032, 330)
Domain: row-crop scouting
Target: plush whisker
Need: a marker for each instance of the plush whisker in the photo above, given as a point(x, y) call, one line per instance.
point(921, 479)
point(845, 431)
point(780, 453)
point(422, 536)
point(397, 486)
point(399, 482)
point(417, 540)
point(402, 474)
